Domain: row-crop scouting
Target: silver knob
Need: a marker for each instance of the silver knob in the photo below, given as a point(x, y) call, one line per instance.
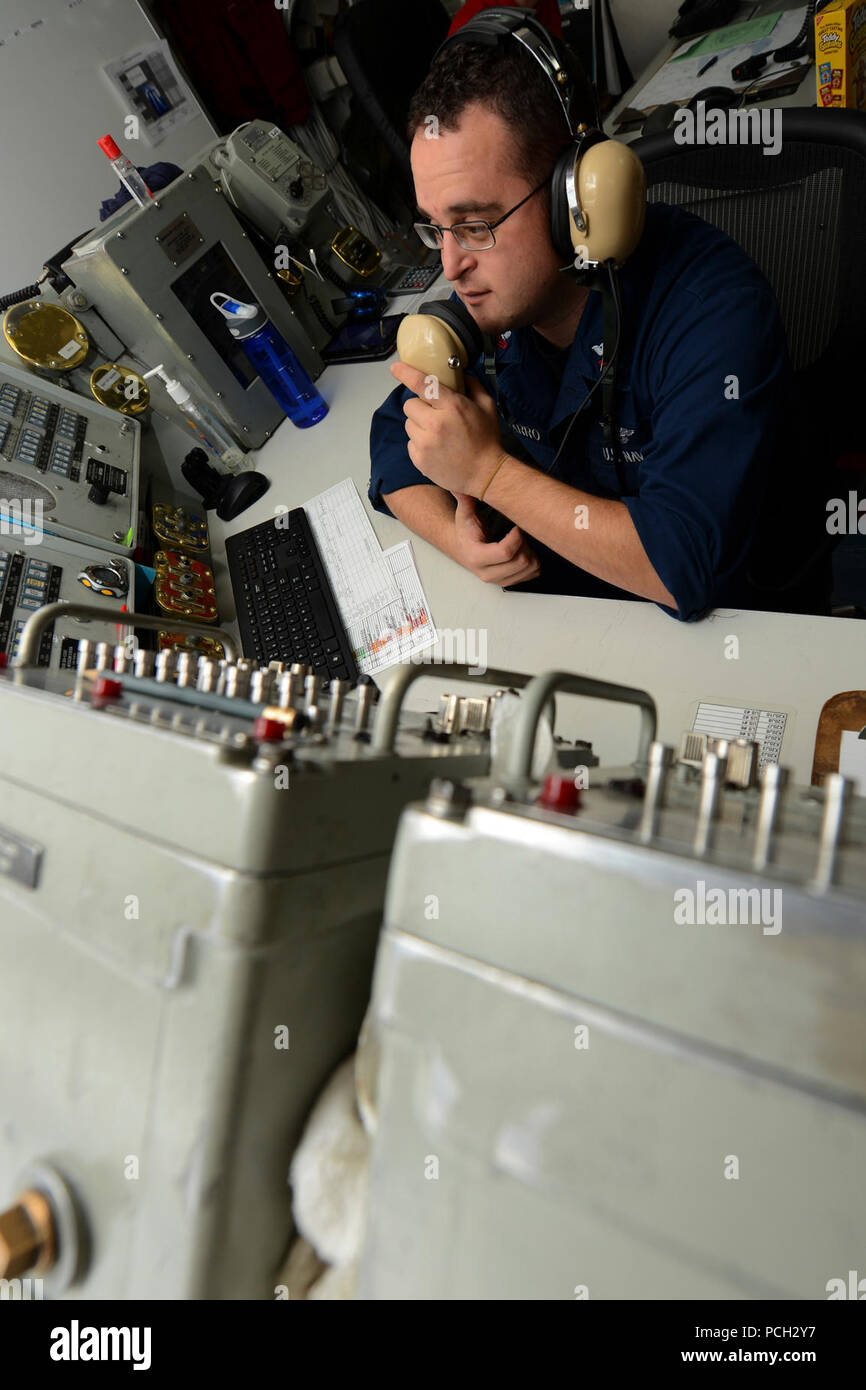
point(237, 683)
point(122, 660)
point(285, 690)
point(660, 759)
point(85, 654)
point(206, 677)
point(103, 656)
point(714, 769)
point(262, 686)
point(186, 669)
point(837, 794)
point(295, 685)
point(166, 665)
point(773, 780)
point(143, 663)
point(367, 697)
point(312, 690)
point(335, 707)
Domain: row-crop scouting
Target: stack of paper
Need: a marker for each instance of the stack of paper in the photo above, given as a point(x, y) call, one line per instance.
point(379, 593)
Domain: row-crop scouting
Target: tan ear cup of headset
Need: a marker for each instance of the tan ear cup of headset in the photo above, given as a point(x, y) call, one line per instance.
point(610, 184)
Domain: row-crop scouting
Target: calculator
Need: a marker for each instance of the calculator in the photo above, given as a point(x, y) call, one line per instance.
point(415, 279)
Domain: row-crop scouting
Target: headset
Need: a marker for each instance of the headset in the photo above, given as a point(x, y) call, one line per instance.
point(598, 186)
point(597, 211)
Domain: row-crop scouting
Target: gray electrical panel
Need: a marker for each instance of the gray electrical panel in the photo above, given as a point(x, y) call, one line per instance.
point(625, 1057)
point(68, 465)
point(149, 274)
point(32, 575)
point(192, 874)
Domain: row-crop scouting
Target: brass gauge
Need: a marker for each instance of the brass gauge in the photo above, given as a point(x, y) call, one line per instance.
point(354, 250)
point(119, 388)
point(44, 335)
point(290, 278)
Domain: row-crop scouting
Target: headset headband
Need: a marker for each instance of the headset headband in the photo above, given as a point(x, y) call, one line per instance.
point(495, 25)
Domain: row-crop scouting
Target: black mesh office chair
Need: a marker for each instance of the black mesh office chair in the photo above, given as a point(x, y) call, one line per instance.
point(385, 48)
point(801, 216)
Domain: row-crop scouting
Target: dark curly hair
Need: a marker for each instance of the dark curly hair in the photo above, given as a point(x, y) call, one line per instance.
point(509, 80)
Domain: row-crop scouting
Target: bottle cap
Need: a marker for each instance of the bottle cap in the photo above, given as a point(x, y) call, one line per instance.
point(243, 319)
point(108, 147)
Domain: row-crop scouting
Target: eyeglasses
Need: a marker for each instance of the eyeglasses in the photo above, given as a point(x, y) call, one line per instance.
point(472, 236)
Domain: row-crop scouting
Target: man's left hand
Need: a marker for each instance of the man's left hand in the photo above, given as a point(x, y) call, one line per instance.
point(454, 440)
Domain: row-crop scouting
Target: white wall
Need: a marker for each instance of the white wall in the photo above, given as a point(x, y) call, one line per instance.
point(55, 103)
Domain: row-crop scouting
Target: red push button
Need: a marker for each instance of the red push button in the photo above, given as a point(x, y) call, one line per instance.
point(104, 688)
point(269, 730)
point(559, 794)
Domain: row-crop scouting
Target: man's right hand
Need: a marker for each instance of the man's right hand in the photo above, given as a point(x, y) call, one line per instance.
point(509, 561)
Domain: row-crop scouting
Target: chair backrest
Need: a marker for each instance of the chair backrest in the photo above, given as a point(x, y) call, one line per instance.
point(800, 214)
point(385, 48)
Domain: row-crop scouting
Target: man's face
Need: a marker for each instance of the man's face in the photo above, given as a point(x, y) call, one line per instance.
point(469, 173)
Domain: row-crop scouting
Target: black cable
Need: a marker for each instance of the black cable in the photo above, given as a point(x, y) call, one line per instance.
point(804, 43)
point(335, 278)
point(18, 296)
point(609, 366)
point(321, 315)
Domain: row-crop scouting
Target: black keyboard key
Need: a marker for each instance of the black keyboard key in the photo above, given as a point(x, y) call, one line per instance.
point(322, 616)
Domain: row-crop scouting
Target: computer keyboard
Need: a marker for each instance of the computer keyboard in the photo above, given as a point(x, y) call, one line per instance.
point(285, 607)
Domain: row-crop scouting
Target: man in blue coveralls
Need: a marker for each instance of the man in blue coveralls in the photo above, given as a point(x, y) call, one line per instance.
point(701, 371)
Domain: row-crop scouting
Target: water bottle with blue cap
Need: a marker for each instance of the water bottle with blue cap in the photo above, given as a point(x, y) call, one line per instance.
point(273, 360)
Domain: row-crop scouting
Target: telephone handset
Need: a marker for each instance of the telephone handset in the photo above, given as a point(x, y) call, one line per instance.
point(442, 340)
point(428, 342)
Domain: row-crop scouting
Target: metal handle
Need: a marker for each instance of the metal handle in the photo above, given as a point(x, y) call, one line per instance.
point(31, 634)
point(538, 693)
point(385, 729)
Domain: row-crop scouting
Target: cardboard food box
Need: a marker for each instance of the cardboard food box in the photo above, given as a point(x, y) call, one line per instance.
point(840, 54)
